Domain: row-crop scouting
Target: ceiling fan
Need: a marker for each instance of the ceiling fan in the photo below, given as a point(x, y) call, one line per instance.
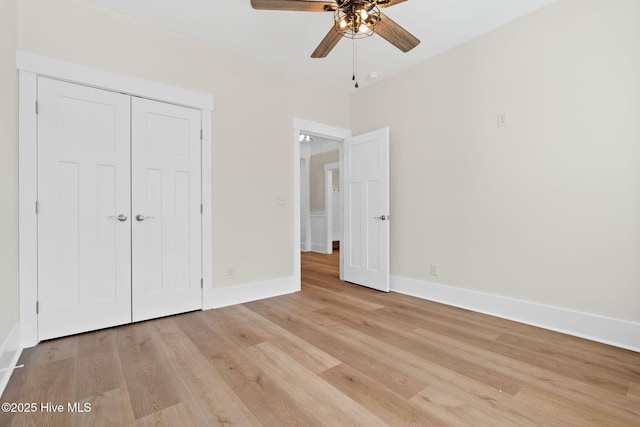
point(353, 19)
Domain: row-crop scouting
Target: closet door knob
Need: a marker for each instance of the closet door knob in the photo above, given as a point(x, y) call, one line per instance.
point(121, 217)
point(142, 217)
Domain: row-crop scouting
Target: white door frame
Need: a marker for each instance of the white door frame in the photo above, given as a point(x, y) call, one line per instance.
point(319, 129)
point(328, 201)
point(305, 217)
point(30, 67)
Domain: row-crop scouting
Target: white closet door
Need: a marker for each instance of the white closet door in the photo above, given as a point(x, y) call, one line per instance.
point(166, 223)
point(84, 250)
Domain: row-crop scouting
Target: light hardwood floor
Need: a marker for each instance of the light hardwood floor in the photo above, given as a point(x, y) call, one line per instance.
point(335, 355)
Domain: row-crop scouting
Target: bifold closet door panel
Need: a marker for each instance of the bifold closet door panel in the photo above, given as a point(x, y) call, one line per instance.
point(166, 198)
point(84, 224)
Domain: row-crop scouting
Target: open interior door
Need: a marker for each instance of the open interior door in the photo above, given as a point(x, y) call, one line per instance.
point(365, 252)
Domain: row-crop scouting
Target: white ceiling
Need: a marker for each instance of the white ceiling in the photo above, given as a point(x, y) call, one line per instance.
point(286, 39)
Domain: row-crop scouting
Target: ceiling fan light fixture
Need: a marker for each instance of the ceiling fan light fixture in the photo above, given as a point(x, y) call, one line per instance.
point(357, 19)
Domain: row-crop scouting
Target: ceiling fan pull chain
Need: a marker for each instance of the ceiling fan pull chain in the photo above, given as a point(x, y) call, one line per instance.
point(353, 59)
point(355, 62)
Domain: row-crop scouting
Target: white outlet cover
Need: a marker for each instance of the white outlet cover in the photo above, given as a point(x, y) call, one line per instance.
point(434, 269)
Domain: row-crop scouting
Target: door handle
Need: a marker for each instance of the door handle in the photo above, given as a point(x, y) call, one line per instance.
point(142, 217)
point(121, 217)
point(381, 217)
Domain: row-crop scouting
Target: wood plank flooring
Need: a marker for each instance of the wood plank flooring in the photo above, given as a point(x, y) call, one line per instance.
point(334, 354)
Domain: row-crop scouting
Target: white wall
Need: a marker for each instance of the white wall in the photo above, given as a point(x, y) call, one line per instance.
point(8, 171)
point(545, 210)
point(252, 120)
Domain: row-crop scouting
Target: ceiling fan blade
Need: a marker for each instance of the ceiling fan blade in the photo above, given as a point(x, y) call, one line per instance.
point(389, 3)
point(395, 34)
point(295, 5)
point(327, 44)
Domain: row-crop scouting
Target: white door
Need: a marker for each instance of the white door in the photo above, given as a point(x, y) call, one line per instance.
point(84, 224)
point(365, 249)
point(166, 198)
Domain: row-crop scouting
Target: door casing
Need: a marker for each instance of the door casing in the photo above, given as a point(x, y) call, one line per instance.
point(329, 168)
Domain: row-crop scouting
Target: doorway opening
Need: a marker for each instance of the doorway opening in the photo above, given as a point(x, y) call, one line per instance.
point(312, 231)
point(320, 213)
point(364, 211)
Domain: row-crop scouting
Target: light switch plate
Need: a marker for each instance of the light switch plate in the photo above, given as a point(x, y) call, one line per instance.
point(503, 120)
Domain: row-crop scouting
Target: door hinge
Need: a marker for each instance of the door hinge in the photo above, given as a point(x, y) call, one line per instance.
point(37, 307)
point(36, 107)
point(201, 134)
point(201, 209)
point(201, 283)
point(37, 208)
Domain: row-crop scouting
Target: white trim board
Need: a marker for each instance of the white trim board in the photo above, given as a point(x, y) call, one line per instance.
point(602, 329)
point(231, 295)
point(75, 73)
point(9, 354)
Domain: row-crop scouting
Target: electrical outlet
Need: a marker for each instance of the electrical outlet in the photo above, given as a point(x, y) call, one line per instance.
point(434, 269)
point(231, 273)
point(280, 200)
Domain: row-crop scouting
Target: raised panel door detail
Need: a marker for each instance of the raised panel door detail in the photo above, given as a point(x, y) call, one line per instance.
point(152, 252)
point(182, 230)
point(167, 136)
point(107, 236)
point(86, 124)
point(67, 243)
point(373, 229)
point(354, 216)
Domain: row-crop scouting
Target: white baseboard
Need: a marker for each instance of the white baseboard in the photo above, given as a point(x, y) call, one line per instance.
point(320, 248)
point(223, 297)
point(619, 333)
point(9, 354)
